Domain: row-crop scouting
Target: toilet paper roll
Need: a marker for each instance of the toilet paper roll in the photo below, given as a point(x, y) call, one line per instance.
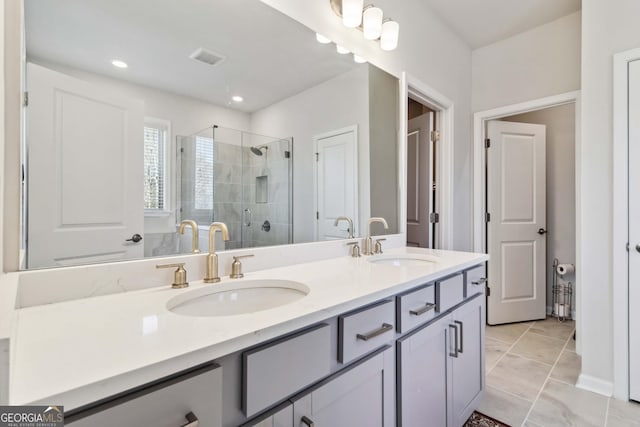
point(565, 269)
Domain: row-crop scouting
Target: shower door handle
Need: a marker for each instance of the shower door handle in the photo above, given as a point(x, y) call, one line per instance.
point(247, 217)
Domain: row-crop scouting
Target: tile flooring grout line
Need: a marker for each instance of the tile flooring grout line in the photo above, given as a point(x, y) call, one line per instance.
point(606, 413)
point(553, 338)
point(511, 394)
point(545, 383)
point(509, 349)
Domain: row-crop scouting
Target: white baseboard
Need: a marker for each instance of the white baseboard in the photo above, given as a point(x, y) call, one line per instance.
point(596, 385)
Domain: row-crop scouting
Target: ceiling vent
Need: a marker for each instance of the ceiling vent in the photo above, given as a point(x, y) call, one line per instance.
point(207, 56)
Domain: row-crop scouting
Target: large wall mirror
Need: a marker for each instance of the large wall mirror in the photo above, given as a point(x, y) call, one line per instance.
point(146, 114)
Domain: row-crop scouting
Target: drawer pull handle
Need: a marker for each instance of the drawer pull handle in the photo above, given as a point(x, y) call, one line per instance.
point(419, 312)
point(381, 330)
point(479, 281)
point(307, 421)
point(192, 420)
point(455, 340)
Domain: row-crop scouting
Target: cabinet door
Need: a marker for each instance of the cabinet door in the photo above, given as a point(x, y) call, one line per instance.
point(468, 364)
point(424, 389)
point(361, 396)
point(281, 418)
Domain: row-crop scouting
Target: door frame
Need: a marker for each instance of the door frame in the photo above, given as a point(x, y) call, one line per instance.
point(444, 122)
point(329, 134)
point(620, 219)
point(479, 186)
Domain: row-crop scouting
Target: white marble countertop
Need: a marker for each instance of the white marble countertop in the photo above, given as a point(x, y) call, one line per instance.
point(75, 352)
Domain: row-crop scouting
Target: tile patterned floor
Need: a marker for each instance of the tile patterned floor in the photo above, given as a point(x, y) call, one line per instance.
point(531, 373)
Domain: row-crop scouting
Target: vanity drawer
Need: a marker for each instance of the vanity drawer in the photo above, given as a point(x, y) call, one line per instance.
point(274, 371)
point(449, 292)
point(365, 330)
point(475, 281)
point(164, 403)
point(415, 307)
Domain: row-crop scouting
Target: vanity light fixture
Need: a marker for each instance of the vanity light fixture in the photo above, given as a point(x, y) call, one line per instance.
point(352, 13)
point(372, 23)
point(119, 64)
point(237, 98)
point(389, 36)
point(370, 20)
point(322, 39)
point(341, 50)
point(359, 59)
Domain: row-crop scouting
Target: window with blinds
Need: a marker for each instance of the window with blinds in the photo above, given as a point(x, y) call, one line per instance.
point(203, 188)
point(155, 139)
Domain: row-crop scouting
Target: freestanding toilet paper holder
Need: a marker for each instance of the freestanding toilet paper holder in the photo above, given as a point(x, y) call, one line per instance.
point(562, 294)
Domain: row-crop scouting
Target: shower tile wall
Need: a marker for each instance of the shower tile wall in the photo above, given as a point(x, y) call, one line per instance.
point(227, 190)
point(276, 168)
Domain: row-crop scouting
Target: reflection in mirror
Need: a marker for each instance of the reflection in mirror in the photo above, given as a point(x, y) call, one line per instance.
point(113, 157)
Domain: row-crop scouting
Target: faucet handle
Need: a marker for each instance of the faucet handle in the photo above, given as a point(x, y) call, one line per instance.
point(179, 276)
point(378, 247)
point(355, 251)
point(236, 266)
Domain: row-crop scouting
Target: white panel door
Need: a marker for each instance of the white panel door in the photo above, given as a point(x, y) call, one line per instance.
point(419, 181)
point(336, 184)
point(82, 211)
point(634, 230)
point(516, 232)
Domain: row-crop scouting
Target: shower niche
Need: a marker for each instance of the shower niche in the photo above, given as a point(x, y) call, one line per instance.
point(239, 178)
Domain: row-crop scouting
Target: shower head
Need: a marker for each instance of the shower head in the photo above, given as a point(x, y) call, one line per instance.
point(258, 150)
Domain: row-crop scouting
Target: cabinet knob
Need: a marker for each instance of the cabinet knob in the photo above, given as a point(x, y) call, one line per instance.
point(192, 420)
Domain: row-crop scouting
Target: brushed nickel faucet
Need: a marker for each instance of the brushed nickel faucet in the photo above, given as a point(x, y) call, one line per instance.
point(212, 259)
point(345, 218)
point(195, 246)
point(368, 241)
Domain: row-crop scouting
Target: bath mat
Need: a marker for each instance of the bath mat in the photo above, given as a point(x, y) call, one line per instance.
point(481, 420)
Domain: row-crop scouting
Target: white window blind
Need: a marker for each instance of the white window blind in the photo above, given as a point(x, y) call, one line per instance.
point(155, 139)
point(203, 197)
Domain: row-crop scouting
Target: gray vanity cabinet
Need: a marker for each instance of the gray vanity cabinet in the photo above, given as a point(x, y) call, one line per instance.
point(187, 399)
point(440, 369)
point(283, 417)
point(357, 396)
point(468, 366)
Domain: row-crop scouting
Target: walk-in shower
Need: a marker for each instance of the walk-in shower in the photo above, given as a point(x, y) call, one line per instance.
point(226, 175)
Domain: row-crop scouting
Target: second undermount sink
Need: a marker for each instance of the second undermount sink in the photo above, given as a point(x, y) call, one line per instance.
point(235, 298)
point(403, 260)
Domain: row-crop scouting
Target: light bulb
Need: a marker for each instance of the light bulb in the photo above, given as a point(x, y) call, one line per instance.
point(359, 59)
point(372, 23)
point(118, 63)
point(352, 13)
point(341, 50)
point(389, 36)
point(322, 39)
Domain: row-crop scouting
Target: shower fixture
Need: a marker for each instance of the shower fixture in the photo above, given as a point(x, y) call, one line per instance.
point(258, 150)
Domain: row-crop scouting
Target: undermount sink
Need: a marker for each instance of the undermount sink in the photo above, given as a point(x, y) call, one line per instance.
point(403, 260)
point(243, 297)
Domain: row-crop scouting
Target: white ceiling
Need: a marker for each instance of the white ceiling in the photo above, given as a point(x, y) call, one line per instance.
point(269, 56)
point(483, 22)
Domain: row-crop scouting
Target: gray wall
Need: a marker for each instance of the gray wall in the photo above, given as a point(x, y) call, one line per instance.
point(561, 206)
point(383, 148)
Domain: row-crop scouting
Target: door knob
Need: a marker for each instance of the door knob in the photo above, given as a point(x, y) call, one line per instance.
point(638, 247)
point(135, 238)
point(542, 231)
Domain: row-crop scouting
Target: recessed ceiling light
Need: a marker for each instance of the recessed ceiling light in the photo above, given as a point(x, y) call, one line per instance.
point(237, 98)
point(342, 50)
point(118, 63)
point(322, 39)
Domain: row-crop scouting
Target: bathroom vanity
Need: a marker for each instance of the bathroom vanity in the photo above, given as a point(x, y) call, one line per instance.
point(393, 339)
